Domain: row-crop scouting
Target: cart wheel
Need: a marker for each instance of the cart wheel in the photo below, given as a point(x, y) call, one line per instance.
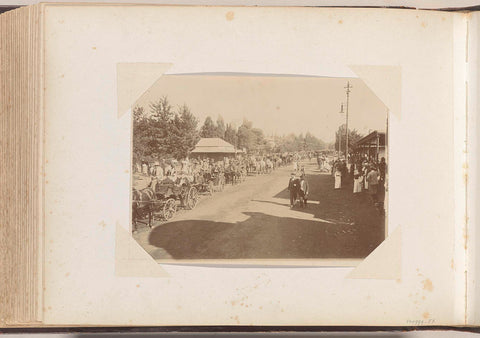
point(169, 209)
point(192, 198)
point(210, 188)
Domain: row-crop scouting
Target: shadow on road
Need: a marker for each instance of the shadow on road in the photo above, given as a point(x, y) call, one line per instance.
point(339, 206)
point(262, 236)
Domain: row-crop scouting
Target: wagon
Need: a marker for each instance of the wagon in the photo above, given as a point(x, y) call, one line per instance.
point(169, 196)
point(208, 183)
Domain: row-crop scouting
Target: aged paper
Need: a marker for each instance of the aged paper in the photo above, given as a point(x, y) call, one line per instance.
point(87, 181)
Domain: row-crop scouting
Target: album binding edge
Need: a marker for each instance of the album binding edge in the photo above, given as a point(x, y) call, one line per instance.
point(21, 182)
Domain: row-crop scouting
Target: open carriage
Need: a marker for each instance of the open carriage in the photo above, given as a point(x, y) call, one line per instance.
point(169, 196)
point(162, 200)
point(206, 182)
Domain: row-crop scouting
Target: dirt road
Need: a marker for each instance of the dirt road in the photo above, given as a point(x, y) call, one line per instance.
point(253, 220)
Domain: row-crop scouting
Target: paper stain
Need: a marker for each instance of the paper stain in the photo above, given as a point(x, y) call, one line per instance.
point(102, 224)
point(452, 265)
point(424, 24)
point(340, 21)
point(67, 274)
point(230, 16)
point(236, 319)
point(94, 48)
point(427, 285)
point(426, 315)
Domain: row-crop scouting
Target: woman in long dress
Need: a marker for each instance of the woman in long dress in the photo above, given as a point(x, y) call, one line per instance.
point(338, 178)
point(357, 183)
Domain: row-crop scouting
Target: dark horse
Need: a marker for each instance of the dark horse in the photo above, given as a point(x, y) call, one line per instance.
point(142, 205)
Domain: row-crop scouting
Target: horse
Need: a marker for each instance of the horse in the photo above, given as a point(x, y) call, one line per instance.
point(142, 205)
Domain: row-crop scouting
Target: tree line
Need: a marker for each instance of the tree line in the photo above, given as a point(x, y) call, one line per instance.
point(165, 132)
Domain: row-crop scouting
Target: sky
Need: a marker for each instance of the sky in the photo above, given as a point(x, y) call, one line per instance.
point(276, 104)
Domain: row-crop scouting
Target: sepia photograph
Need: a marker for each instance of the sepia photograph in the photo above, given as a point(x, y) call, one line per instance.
point(242, 167)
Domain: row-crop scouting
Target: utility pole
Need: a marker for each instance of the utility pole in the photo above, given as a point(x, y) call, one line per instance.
point(348, 87)
point(340, 135)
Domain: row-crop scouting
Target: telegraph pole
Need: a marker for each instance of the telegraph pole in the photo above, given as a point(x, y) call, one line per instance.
point(340, 135)
point(348, 87)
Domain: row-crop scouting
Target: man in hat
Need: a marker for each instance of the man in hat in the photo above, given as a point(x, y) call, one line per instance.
point(293, 187)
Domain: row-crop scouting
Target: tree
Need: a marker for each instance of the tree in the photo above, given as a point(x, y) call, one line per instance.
point(138, 114)
point(292, 142)
point(353, 137)
point(161, 110)
point(208, 129)
point(245, 136)
point(160, 132)
point(185, 131)
point(231, 134)
point(220, 127)
point(163, 133)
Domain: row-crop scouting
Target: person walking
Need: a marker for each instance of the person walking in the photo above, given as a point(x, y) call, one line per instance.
point(293, 187)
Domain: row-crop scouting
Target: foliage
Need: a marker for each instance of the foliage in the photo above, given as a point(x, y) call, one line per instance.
point(163, 133)
point(340, 137)
point(292, 142)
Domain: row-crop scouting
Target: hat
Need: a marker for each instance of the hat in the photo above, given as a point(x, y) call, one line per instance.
point(293, 174)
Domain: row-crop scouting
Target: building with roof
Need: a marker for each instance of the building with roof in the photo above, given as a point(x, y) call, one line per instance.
point(373, 145)
point(213, 147)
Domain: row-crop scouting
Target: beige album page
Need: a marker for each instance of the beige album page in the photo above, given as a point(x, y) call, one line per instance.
point(253, 166)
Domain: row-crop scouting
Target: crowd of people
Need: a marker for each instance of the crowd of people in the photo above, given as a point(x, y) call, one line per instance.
point(368, 174)
point(197, 170)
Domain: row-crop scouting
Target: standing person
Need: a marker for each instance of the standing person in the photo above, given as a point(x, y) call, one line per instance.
point(159, 171)
point(357, 182)
point(144, 169)
point(295, 166)
point(303, 192)
point(338, 177)
point(382, 167)
point(293, 187)
point(366, 170)
point(372, 179)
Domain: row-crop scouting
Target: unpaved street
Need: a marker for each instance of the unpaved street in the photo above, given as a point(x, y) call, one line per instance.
point(253, 220)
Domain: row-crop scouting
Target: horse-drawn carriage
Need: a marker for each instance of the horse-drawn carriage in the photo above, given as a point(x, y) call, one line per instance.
point(162, 199)
point(209, 182)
